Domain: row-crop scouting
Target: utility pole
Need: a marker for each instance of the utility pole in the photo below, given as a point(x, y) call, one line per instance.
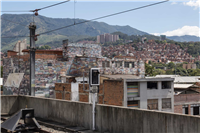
point(32, 28)
point(19, 57)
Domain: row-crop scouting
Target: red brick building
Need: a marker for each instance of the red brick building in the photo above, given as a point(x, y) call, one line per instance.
point(187, 104)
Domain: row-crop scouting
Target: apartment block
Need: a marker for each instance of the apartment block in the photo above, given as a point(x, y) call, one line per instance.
point(107, 38)
point(98, 39)
point(149, 93)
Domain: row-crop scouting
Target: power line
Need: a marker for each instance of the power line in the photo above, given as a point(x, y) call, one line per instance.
point(13, 22)
point(92, 19)
point(53, 5)
point(33, 17)
point(39, 8)
point(18, 11)
point(104, 17)
point(13, 36)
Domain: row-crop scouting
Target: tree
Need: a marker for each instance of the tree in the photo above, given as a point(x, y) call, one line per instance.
point(158, 72)
point(169, 72)
point(44, 47)
point(149, 70)
point(149, 62)
point(171, 65)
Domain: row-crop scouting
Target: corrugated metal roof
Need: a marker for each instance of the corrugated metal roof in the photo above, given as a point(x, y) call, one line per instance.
point(182, 79)
point(120, 76)
point(192, 79)
point(182, 86)
point(171, 76)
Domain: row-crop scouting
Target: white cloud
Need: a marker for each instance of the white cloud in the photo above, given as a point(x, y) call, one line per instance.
point(173, 3)
point(185, 30)
point(192, 3)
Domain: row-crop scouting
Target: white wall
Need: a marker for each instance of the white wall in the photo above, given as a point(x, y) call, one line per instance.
point(75, 91)
point(1, 81)
point(145, 94)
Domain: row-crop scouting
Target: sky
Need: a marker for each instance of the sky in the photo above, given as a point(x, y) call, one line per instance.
point(173, 18)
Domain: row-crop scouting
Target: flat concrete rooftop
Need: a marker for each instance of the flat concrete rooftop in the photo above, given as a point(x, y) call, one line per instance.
point(113, 119)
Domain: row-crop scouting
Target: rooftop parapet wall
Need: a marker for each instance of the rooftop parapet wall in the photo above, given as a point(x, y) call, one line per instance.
point(111, 119)
point(9, 104)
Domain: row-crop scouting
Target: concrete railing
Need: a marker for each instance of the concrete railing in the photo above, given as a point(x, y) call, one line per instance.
point(9, 104)
point(112, 119)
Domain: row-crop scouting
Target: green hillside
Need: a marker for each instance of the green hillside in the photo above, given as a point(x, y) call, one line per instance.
point(43, 24)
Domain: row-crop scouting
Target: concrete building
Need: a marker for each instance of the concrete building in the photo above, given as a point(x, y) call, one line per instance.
point(72, 60)
point(162, 37)
point(98, 39)
point(149, 93)
point(107, 38)
point(188, 103)
point(190, 66)
point(19, 46)
point(124, 90)
point(102, 38)
point(110, 38)
point(115, 38)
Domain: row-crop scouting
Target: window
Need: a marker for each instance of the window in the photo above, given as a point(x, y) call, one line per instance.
point(196, 110)
point(166, 85)
point(152, 104)
point(186, 110)
point(152, 85)
point(132, 104)
point(105, 64)
point(132, 89)
point(166, 103)
point(49, 64)
point(129, 64)
point(118, 64)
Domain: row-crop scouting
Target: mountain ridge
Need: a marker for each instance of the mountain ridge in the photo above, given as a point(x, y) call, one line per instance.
point(44, 24)
point(185, 38)
point(74, 33)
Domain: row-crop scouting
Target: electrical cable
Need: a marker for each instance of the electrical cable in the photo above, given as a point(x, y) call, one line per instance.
point(74, 11)
point(39, 8)
point(103, 17)
point(92, 19)
point(13, 36)
point(53, 5)
point(19, 11)
point(33, 16)
point(74, 17)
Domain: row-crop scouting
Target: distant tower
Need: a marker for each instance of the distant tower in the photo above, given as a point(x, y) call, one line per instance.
point(162, 37)
point(65, 46)
point(115, 38)
point(98, 39)
point(102, 38)
point(106, 37)
point(110, 38)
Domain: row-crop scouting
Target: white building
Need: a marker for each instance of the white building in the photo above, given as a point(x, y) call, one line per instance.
point(149, 93)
